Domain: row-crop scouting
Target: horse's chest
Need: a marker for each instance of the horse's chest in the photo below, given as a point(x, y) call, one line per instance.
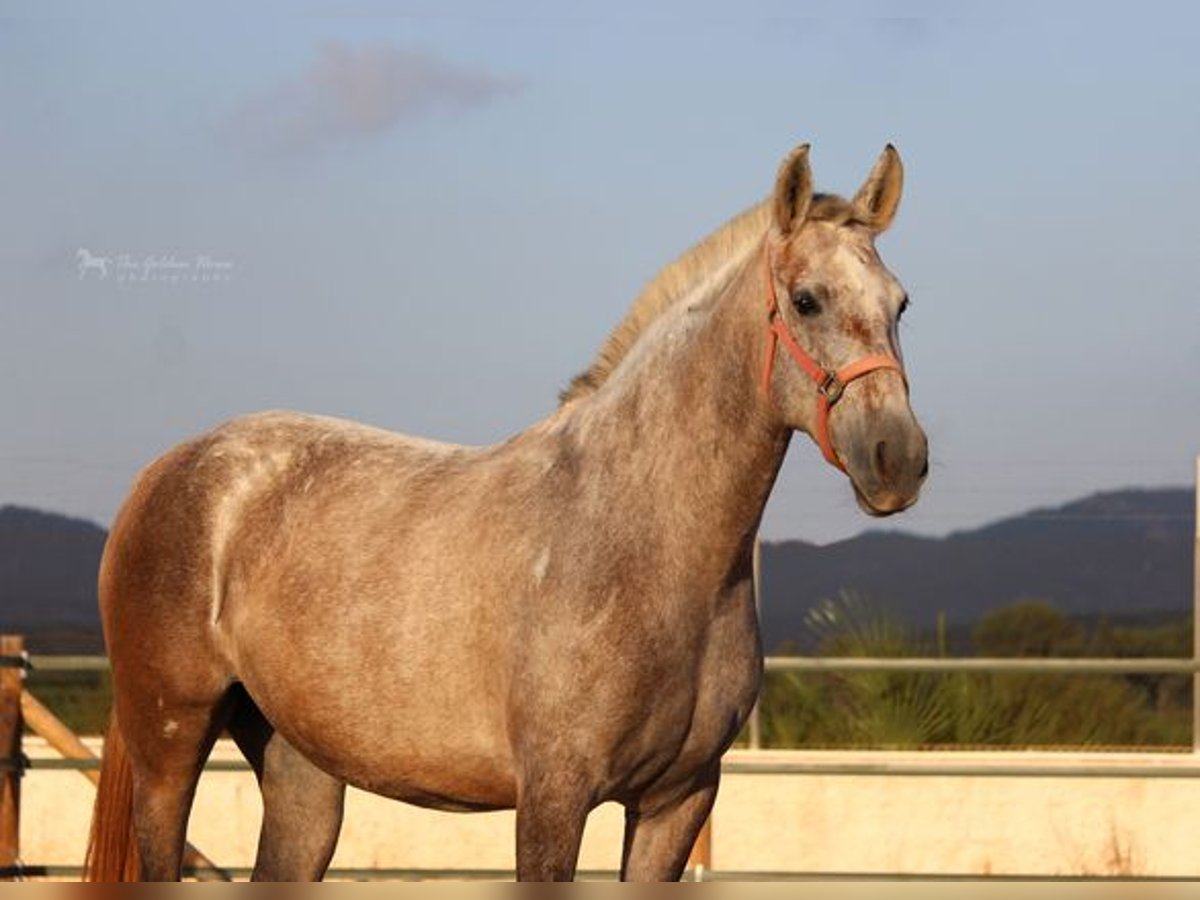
point(727, 685)
point(691, 719)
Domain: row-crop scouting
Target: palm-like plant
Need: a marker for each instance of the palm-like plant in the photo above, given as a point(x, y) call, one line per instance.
point(892, 710)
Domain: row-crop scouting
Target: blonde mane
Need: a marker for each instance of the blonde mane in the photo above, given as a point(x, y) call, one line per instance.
point(677, 278)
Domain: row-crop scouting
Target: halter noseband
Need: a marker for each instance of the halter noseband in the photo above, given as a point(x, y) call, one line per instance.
point(831, 383)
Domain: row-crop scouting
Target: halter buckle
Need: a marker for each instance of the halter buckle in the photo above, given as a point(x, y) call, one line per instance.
point(832, 388)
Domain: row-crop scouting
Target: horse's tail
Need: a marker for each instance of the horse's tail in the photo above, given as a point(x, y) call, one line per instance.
point(112, 848)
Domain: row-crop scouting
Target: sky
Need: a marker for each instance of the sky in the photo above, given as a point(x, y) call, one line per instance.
point(428, 216)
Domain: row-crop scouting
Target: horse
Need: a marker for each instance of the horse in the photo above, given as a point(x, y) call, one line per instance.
point(546, 624)
point(85, 260)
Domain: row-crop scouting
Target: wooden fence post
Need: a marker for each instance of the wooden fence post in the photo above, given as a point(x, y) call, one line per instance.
point(1196, 620)
point(11, 677)
point(755, 731)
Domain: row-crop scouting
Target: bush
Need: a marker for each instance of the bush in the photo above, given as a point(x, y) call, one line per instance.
point(886, 710)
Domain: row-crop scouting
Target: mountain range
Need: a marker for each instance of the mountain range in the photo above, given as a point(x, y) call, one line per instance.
point(1124, 554)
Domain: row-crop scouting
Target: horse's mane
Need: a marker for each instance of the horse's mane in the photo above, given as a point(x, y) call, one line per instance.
point(677, 278)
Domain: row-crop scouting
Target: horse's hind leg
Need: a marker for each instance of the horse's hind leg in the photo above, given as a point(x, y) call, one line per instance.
point(168, 744)
point(302, 805)
point(302, 816)
point(658, 840)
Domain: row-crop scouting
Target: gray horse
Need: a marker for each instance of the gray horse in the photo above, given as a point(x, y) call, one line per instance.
point(556, 621)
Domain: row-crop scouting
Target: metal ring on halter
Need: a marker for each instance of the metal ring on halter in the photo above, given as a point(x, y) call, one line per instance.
point(832, 388)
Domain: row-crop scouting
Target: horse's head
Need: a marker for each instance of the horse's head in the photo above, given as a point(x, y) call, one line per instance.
point(835, 308)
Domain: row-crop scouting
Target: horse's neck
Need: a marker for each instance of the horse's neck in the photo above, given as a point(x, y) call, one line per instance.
point(683, 431)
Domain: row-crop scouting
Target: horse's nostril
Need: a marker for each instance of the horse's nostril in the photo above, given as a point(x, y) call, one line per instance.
point(881, 462)
point(925, 467)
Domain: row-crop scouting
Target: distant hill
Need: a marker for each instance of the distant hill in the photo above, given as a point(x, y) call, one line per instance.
point(1126, 555)
point(48, 567)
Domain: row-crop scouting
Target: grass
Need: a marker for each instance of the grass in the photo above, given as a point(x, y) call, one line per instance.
point(80, 699)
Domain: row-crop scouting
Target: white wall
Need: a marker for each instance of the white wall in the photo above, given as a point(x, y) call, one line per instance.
point(962, 824)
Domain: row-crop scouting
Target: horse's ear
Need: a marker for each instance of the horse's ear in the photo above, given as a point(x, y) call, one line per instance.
point(793, 191)
point(876, 201)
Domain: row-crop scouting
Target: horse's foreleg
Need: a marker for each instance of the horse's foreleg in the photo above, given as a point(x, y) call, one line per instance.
point(658, 840)
point(551, 813)
point(302, 805)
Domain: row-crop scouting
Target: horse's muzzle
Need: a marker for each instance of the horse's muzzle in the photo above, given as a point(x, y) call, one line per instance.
point(887, 471)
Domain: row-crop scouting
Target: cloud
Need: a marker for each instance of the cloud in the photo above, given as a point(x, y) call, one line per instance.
point(350, 93)
point(904, 29)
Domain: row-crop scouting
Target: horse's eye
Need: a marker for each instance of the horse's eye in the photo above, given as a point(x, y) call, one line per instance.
point(805, 303)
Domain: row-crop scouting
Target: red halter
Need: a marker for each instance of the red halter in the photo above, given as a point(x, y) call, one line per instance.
point(831, 383)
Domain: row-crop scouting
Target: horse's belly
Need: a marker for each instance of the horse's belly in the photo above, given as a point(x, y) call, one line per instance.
point(430, 737)
point(458, 769)
point(452, 781)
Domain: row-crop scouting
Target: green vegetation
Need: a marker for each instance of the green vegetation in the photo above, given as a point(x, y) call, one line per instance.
point(881, 710)
point(80, 699)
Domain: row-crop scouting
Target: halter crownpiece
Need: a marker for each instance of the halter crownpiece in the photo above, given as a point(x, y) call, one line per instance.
point(831, 383)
